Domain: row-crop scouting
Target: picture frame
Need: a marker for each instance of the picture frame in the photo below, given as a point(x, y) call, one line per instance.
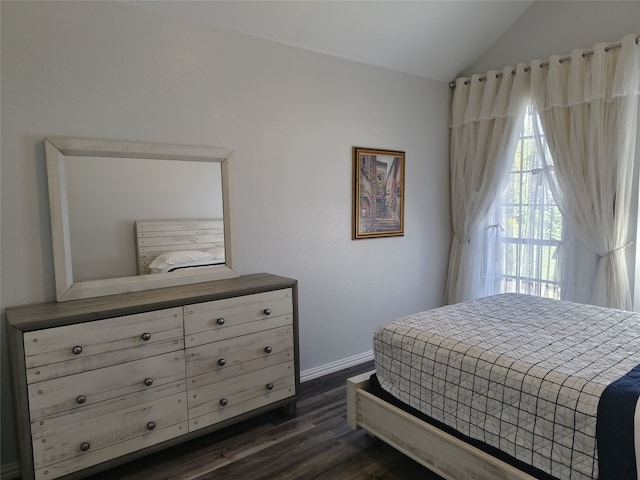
point(378, 193)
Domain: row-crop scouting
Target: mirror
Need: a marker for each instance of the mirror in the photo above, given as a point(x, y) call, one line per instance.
point(99, 189)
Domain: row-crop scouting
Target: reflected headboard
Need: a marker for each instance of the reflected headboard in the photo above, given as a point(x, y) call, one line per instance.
point(155, 237)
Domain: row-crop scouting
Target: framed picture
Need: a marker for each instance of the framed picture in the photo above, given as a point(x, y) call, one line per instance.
point(378, 193)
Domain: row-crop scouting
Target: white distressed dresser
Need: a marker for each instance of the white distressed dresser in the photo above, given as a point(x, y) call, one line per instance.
point(98, 382)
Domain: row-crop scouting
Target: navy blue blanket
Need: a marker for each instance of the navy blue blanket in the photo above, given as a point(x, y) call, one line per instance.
point(615, 428)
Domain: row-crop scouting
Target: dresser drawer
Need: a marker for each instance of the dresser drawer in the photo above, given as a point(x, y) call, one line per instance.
point(63, 350)
point(86, 443)
point(63, 394)
point(101, 360)
point(87, 412)
point(239, 355)
point(229, 317)
point(220, 401)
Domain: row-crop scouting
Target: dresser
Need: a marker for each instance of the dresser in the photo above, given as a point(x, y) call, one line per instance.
point(98, 382)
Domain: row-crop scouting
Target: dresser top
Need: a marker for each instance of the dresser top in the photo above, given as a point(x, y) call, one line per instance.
point(46, 315)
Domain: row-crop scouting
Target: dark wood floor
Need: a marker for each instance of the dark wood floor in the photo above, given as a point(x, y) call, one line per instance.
point(316, 443)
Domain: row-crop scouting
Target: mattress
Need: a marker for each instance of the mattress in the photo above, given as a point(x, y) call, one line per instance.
point(525, 375)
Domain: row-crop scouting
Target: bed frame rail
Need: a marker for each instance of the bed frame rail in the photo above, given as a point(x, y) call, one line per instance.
point(445, 455)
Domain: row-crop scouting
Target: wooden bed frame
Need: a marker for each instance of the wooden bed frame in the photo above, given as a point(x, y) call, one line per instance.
point(156, 237)
point(444, 454)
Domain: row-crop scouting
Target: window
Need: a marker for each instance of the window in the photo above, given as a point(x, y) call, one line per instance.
point(531, 224)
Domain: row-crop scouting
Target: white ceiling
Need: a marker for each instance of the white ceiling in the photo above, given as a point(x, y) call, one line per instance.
point(433, 39)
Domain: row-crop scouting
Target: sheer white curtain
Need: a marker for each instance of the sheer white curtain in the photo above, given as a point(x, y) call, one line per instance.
point(523, 236)
point(588, 108)
point(485, 114)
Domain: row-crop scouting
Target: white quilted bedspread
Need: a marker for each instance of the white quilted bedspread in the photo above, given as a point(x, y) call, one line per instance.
point(521, 373)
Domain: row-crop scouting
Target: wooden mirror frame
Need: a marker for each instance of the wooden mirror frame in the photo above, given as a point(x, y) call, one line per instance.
point(56, 152)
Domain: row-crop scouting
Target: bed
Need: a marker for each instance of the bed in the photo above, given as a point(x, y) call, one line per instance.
point(164, 246)
point(507, 387)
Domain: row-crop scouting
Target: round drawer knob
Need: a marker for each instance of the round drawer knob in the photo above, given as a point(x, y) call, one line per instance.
point(268, 349)
point(220, 321)
point(151, 425)
point(224, 402)
point(222, 362)
point(269, 386)
point(77, 350)
point(148, 382)
point(85, 446)
point(81, 399)
point(146, 336)
point(267, 311)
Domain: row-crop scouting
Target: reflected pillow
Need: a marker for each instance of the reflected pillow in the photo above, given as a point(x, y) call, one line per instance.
point(182, 258)
point(216, 252)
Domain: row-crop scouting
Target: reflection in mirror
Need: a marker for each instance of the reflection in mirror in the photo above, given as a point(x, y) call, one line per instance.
point(100, 190)
point(106, 196)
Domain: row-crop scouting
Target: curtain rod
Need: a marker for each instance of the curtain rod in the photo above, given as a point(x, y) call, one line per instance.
point(586, 53)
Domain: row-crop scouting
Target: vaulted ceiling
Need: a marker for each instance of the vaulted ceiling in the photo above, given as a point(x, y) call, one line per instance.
point(432, 39)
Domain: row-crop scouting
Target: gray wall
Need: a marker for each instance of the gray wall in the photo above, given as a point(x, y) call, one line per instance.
point(108, 70)
point(556, 27)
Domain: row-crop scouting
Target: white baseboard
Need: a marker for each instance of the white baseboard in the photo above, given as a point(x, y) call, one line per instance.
point(332, 367)
point(9, 471)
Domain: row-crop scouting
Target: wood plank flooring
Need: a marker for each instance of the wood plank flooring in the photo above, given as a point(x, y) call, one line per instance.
point(316, 443)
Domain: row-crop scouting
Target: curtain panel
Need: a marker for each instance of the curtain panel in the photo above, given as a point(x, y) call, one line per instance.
point(588, 108)
point(485, 115)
